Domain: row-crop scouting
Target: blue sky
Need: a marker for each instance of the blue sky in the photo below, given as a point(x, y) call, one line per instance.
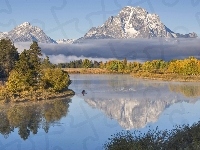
point(72, 19)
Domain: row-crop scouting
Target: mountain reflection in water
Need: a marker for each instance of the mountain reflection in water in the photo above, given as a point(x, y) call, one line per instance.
point(135, 103)
point(29, 117)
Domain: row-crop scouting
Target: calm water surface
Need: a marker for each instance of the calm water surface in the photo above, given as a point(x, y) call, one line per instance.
point(113, 103)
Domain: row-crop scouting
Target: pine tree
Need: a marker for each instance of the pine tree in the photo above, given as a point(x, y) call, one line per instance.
point(29, 64)
point(8, 57)
point(47, 64)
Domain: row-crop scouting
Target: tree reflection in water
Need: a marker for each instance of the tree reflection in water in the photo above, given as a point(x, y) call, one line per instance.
point(28, 118)
point(188, 90)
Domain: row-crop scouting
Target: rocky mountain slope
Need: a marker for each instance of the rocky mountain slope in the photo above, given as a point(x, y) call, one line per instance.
point(133, 22)
point(27, 33)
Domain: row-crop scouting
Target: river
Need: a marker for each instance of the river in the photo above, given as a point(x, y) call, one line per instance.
point(113, 103)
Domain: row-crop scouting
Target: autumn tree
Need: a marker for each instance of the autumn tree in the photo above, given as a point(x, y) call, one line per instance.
point(122, 66)
point(55, 79)
point(155, 66)
point(112, 65)
point(17, 83)
point(188, 66)
point(87, 63)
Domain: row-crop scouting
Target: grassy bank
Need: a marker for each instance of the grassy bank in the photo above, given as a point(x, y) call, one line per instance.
point(166, 77)
point(88, 71)
point(138, 74)
point(38, 95)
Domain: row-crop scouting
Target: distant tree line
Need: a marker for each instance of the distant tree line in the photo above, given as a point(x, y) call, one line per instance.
point(188, 66)
point(86, 63)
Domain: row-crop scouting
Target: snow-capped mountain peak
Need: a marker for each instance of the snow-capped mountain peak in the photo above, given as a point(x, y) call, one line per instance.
point(132, 22)
point(25, 32)
point(25, 24)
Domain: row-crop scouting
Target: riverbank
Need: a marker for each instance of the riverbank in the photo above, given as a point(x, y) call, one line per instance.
point(86, 71)
point(37, 96)
point(166, 77)
point(139, 74)
point(39, 104)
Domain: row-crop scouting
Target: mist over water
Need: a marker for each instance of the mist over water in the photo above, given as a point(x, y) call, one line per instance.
point(137, 103)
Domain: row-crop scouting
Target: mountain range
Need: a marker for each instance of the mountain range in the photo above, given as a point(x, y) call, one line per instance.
point(130, 22)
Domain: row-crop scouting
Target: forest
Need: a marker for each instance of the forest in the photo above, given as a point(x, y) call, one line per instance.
point(28, 76)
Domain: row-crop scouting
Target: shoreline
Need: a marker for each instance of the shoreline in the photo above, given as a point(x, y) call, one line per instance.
point(89, 71)
point(166, 77)
point(45, 96)
point(31, 103)
point(141, 75)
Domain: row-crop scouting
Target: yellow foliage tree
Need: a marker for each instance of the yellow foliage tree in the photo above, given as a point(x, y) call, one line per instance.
point(55, 79)
point(16, 83)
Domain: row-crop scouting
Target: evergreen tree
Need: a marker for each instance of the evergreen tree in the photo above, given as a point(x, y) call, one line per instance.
point(35, 60)
point(47, 64)
point(8, 57)
point(29, 64)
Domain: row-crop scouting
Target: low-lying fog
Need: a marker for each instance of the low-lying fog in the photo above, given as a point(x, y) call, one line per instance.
point(131, 49)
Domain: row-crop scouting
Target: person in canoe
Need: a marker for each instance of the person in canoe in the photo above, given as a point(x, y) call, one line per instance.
point(83, 92)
